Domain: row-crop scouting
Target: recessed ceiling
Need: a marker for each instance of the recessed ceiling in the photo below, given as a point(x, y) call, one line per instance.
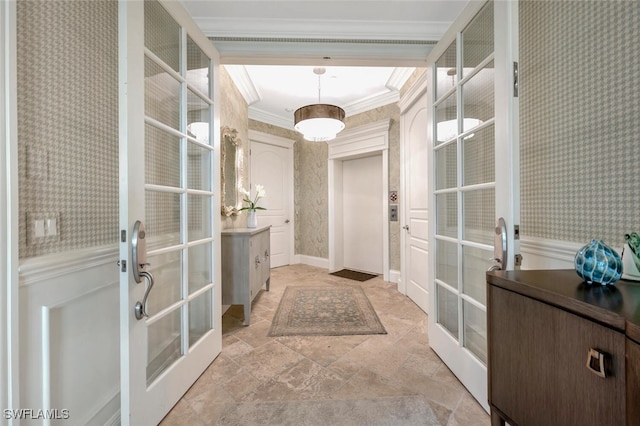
point(369, 48)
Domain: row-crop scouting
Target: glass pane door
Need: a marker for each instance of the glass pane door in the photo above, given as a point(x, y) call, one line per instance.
point(464, 191)
point(168, 175)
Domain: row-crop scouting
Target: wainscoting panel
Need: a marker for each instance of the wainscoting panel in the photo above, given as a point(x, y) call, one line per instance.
point(69, 335)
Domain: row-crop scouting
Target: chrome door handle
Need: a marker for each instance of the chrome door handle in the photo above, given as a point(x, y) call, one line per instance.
point(406, 228)
point(140, 308)
point(500, 249)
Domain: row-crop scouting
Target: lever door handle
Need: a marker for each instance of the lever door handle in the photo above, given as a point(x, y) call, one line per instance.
point(140, 308)
point(406, 228)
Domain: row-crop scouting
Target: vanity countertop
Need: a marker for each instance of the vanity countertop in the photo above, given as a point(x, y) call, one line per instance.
point(244, 231)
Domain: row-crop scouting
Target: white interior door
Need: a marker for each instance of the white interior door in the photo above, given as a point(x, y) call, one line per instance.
point(362, 214)
point(169, 179)
point(474, 181)
point(416, 199)
point(272, 167)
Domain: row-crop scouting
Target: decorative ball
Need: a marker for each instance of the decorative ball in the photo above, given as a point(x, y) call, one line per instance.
point(598, 263)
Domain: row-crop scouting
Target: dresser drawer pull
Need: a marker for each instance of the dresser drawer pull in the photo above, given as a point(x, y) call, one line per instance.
point(595, 362)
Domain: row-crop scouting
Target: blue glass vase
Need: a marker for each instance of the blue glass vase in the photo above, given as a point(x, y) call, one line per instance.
point(598, 263)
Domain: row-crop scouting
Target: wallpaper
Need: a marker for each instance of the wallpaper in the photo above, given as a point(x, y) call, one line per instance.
point(67, 123)
point(234, 113)
point(579, 119)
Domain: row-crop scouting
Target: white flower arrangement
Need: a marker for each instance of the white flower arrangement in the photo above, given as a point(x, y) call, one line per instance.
point(253, 204)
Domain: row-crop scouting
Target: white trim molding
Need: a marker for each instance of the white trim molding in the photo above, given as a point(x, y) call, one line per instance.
point(417, 89)
point(362, 141)
point(542, 253)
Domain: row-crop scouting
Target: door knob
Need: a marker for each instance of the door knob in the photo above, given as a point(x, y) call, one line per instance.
point(406, 228)
point(287, 221)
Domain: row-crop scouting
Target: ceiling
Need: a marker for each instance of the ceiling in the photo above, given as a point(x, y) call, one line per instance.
point(368, 47)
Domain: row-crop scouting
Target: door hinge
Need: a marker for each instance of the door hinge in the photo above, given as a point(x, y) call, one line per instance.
point(515, 80)
point(516, 232)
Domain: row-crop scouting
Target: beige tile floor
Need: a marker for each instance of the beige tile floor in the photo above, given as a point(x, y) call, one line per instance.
point(373, 379)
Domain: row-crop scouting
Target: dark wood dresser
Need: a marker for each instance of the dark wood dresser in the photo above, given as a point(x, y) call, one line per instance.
point(562, 352)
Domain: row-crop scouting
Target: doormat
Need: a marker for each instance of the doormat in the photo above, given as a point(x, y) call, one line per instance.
point(353, 275)
point(325, 311)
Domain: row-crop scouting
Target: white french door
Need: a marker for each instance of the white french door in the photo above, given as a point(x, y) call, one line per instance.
point(474, 180)
point(170, 312)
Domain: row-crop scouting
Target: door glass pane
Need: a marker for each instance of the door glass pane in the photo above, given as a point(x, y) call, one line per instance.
point(475, 330)
point(199, 167)
point(447, 214)
point(167, 275)
point(475, 262)
point(198, 117)
point(446, 66)
point(200, 273)
point(162, 34)
point(199, 216)
point(477, 98)
point(447, 310)
point(161, 95)
point(162, 157)
point(479, 212)
point(446, 119)
point(162, 214)
point(200, 317)
point(197, 68)
point(477, 39)
point(447, 262)
point(163, 344)
point(447, 166)
point(478, 157)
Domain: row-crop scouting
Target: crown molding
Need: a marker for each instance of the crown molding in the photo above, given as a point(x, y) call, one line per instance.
point(371, 102)
point(319, 28)
point(241, 79)
point(417, 89)
point(269, 118)
point(399, 77)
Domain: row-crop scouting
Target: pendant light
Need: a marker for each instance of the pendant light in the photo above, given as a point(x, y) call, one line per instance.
point(319, 122)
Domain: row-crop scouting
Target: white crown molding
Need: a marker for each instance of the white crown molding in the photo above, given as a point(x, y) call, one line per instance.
point(257, 136)
point(242, 80)
point(399, 77)
point(318, 28)
point(269, 118)
point(371, 102)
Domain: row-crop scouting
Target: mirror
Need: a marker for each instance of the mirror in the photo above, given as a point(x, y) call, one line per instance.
point(231, 164)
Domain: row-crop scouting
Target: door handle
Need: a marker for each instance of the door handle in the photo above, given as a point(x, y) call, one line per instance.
point(287, 221)
point(140, 308)
point(138, 250)
point(406, 228)
point(500, 249)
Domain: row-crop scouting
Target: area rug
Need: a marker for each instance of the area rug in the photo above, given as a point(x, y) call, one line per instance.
point(325, 311)
point(353, 275)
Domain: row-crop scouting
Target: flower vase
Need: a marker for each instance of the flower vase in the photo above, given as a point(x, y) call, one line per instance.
point(252, 220)
point(598, 263)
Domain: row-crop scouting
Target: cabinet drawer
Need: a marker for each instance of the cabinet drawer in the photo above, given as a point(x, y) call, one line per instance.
point(633, 383)
point(537, 371)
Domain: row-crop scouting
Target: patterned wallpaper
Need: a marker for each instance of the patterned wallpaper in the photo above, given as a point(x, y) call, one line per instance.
point(234, 113)
point(68, 123)
point(579, 119)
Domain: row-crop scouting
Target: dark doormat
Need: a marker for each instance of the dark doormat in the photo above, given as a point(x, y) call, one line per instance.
point(353, 275)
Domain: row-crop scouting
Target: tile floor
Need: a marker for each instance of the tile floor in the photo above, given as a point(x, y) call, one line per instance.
point(392, 379)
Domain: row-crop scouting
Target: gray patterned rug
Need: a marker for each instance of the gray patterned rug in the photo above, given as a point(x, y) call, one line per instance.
point(325, 311)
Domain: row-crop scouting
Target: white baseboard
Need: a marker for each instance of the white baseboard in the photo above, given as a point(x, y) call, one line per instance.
point(319, 262)
point(394, 276)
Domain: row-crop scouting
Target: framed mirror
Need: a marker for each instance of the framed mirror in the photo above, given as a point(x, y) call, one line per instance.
point(231, 173)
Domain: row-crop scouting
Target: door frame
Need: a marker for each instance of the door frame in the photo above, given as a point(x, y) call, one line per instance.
point(9, 261)
point(412, 96)
point(265, 138)
point(362, 141)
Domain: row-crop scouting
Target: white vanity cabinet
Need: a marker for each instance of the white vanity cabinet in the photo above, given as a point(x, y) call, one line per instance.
point(246, 265)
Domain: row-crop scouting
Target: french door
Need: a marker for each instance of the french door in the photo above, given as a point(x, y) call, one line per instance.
point(169, 176)
point(474, 181)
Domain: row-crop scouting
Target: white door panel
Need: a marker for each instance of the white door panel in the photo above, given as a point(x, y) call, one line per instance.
point(416, 205)
point(167, 182)
point(473, 181)
point(271, 167)
point(362, 214)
